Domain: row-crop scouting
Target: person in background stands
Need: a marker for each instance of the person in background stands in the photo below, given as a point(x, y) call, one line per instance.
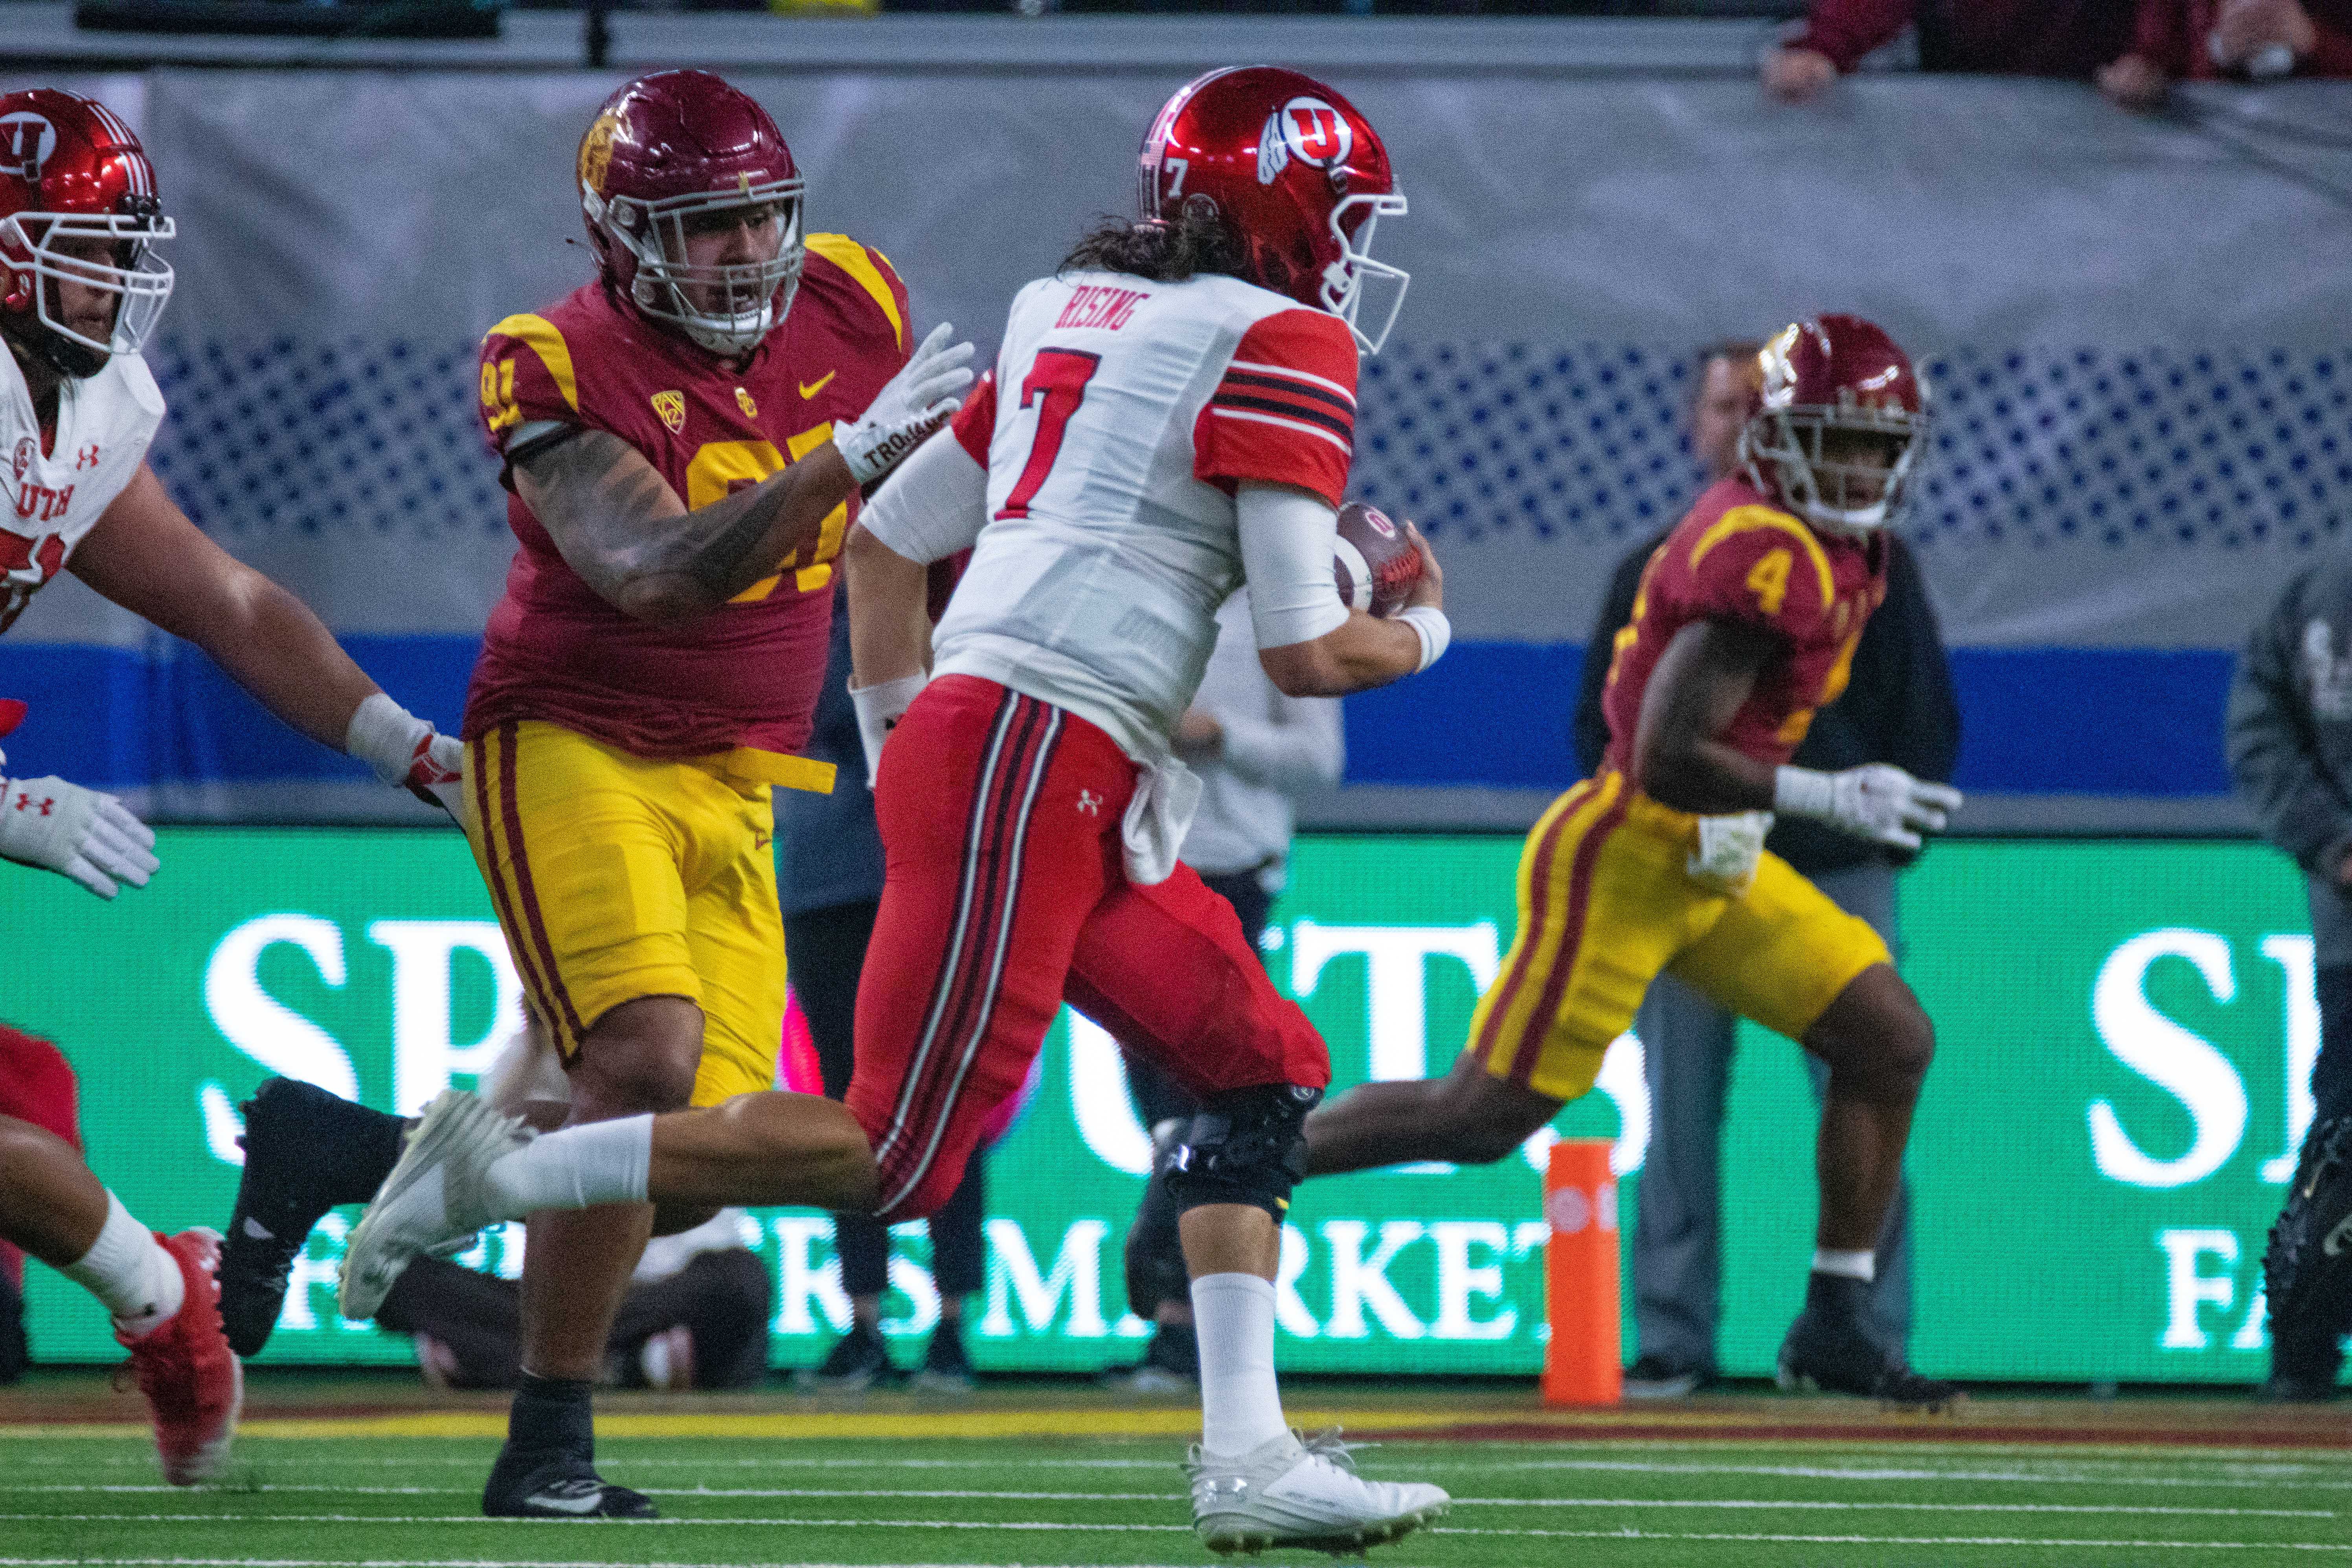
point(1256, 751)
point(1900, 710)
point(2290, 745)
point(829, 882)
point(2016, 38)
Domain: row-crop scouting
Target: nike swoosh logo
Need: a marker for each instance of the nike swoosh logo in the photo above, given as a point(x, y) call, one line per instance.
point(255, 1229)
point(2338, 1240)
point(553, 1504)
point(810, 388)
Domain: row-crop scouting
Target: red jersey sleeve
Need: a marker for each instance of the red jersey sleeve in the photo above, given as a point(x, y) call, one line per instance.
point(975, 423)
point(526, 377)
point(1284, 412)
point(879, 283)
point(1760, 566)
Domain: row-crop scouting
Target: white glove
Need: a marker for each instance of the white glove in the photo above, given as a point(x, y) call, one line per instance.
point(880, 708)
point(910, 405)
point(1878, 800)
point(89, 836)
point(406, 752)
point(1728, 849)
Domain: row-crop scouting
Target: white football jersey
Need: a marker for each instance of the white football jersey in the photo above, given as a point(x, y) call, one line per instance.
point(1120, 418)
point(49, 498)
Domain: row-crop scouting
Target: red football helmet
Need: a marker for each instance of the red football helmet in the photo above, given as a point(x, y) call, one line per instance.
point(77, 206)
point(1299, 173)
point(1838, 424)
point(668, 155)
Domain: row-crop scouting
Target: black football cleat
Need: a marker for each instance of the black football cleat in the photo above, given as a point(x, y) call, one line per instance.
point(306, 1151)
point(858, 1360)
point(528, 1485)
point(1828, 1350)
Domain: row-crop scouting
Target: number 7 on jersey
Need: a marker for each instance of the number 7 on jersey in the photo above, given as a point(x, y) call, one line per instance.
point(1057, 382)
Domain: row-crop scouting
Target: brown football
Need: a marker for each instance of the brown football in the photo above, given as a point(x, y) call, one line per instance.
point(1375, 563)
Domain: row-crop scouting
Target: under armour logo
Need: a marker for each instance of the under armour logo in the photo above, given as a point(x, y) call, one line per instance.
point(1090, 803)
point(25, 803)
point(87, 457)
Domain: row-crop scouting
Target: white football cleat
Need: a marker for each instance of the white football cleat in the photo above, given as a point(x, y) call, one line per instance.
point(434, 1196)
point(1286, 1492)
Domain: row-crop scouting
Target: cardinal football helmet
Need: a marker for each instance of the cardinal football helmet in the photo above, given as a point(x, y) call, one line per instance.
point(1829, 375)
point(1300, 174)
point(77, 206)
point(668, 153)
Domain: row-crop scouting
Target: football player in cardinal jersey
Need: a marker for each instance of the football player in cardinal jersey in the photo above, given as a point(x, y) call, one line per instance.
point(1170, 415)
point(81, 285)
point(1747, 621)
point(685, 437)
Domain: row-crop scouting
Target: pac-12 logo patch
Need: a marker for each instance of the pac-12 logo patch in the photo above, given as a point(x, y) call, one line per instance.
point(671, 406)
point(27, 140)
point(1305, 128)
point(26, 450)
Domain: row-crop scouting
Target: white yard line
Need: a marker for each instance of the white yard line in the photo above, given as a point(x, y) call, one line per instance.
point(1825, 1505)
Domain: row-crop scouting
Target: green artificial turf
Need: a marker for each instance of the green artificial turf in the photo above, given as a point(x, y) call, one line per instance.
point(412, 1502)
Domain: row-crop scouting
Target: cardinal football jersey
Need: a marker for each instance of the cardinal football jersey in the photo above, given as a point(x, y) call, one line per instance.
point(1120, 418)
point(749, 674)
point(57, 490)
point(1736, 557)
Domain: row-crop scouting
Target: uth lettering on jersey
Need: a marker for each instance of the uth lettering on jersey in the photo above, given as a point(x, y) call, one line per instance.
point(40, 503)
point(1095, 305)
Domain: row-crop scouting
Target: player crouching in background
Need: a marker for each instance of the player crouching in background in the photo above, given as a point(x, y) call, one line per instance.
point(1746, 622)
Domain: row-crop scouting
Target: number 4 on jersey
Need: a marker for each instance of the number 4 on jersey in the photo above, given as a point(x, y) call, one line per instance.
point(1058, 377)
point(1768, 579)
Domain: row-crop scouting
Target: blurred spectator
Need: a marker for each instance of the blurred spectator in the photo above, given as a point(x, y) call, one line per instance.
point(695, 1316)
point(37, 1085)
point(829, 881)
point(2017, 37)
point(2178, 40)
point(1899, 708)
point(2290, 748)
point(1256, 751)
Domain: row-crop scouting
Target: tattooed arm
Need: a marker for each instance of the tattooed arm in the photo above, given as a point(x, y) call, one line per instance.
point(624, 530)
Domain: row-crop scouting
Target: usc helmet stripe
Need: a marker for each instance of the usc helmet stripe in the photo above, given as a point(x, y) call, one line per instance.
point(854, 258)
point(548, 342)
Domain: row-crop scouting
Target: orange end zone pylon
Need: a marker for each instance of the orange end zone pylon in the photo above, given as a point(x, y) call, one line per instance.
point(1581, 1266)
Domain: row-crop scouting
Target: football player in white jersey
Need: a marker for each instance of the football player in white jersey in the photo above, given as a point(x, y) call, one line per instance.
point(1171, 413)
point(80, 286)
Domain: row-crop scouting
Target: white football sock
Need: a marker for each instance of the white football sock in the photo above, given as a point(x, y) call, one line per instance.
point(128, 1270)
point(1861, 1265)
point(576, 1168)
point(1240, 1406)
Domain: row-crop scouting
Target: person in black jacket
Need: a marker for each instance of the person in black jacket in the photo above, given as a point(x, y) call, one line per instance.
point(1899, 708)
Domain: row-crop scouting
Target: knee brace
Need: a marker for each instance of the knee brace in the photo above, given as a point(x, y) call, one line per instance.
point(1246, 1146)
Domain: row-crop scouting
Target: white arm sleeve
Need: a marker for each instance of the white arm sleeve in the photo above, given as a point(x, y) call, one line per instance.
point(1287, 539)
point(934, 504)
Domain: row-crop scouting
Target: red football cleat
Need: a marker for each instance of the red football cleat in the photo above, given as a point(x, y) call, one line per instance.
point(193, 1384)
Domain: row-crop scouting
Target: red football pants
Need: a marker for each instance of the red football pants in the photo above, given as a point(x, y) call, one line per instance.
point(1004, 894)
point(37, 1085)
